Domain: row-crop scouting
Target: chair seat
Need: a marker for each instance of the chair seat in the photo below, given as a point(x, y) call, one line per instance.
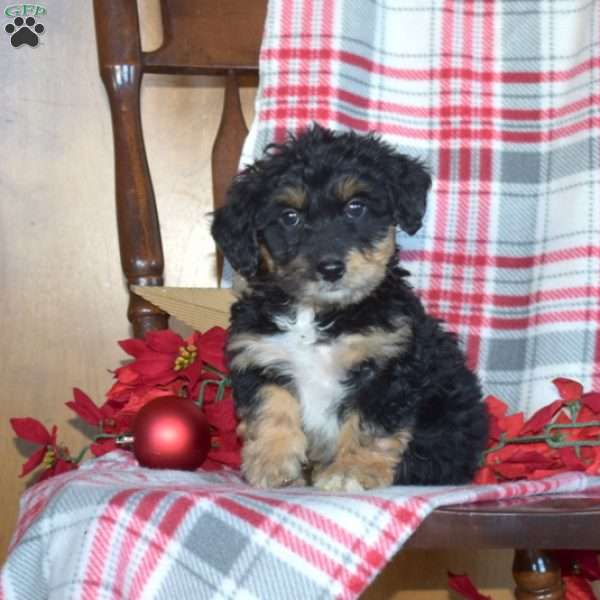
point(549, 522)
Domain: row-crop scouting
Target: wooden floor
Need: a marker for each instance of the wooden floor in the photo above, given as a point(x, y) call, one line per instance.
point(63, 299)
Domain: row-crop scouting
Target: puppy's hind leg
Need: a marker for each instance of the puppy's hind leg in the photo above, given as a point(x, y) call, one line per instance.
point(274, 451)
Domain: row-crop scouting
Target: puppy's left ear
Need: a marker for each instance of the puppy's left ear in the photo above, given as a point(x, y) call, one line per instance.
point(408, 186)
point(233, 227)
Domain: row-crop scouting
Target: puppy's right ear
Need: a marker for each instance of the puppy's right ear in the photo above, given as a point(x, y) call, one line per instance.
point(233, 227)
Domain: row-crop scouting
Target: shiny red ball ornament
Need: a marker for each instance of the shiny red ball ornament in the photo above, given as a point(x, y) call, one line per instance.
point(171, 433)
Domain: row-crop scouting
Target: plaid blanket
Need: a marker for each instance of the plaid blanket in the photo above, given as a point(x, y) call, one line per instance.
point(501, 99)
point(114, 530)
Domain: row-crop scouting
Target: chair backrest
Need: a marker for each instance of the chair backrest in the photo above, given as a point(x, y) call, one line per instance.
point(209, 37)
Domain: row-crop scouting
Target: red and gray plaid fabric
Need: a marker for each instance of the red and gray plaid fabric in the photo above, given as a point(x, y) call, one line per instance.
point(114, 530)
point(502, 100)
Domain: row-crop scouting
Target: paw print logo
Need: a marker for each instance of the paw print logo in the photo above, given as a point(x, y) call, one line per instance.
point(24, 31)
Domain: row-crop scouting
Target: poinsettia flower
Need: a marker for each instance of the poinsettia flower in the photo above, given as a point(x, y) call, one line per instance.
point(56, 465)
point(56, 459)
point(464, 587)
point(161, 357)
point(83, 405)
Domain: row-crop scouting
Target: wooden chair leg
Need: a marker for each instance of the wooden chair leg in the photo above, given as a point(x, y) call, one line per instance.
point(537, 576)
point(121, 68)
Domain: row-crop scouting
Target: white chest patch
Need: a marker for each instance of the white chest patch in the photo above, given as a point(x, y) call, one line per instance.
point(316, 373)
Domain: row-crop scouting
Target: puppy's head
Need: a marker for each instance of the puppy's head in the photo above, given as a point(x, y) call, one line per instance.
point(317, 215)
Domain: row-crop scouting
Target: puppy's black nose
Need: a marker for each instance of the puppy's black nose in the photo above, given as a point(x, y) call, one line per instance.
point(331, 270)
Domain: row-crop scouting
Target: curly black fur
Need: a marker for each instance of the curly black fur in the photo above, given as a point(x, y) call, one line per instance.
point(427, 388)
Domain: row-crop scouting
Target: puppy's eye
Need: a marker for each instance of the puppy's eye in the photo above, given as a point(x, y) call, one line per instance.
point(355, 209)
point(290, 218)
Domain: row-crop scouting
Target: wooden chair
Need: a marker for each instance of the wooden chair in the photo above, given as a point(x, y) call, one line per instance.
point(222, 38)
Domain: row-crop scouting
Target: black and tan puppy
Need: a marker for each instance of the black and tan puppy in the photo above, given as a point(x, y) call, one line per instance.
point(336, 367)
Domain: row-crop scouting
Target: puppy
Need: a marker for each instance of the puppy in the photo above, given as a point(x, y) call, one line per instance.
point(340, 377)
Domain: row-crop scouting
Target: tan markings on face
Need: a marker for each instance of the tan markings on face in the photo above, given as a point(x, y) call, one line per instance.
point(364, 458)
point(294, 197)
point(375, 344)
point(348, 188)
point(274, 449)
point(267, 265)
point(366, 269)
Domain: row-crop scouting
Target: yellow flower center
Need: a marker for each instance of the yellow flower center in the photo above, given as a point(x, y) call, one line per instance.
point(187, 355)
point(49, 458)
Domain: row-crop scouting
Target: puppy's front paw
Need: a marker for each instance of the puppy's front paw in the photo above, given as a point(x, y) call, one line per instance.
point(345, 476)
point(331, 480)
point(274, 465)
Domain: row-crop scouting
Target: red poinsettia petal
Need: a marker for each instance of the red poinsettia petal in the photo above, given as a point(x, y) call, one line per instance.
point(138, 400)
point(485, 475)
point(229, 440)
point(133, 347)
point(462, 585)
point(588, 561)
point(63, 466)
point(211, 348)
point(229, 458)
point(594, 467)
point(570, 459)
point(103, 447)
point(46, 474)
point(542, 417)
point(164, 341)
point(85, 408)
point(31, 430)
point(33, 461)
point(526, 456)
point(543, 473)
point(221, 415)
point(591, 400)
point(494, 432)
point(153, 365)
point(512, 470)
point(211, 465)
point(53, 436)
point(578, 588)
point(579, 562)
point(568, 389)
point(511, 425)
point(496, 406)
point(126, 375)
point(193, 373)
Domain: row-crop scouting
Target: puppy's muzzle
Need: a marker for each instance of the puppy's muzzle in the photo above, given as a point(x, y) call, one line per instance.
point(331, 269)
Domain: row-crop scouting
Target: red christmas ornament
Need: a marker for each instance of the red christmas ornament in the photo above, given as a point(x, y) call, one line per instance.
point(171, 433)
